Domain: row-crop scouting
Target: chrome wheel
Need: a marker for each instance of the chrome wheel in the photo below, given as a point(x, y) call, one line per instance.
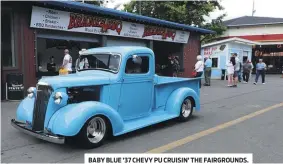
point(186, 108)
point(96, 129)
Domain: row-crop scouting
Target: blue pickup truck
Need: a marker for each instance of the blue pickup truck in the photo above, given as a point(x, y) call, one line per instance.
point(114, 91)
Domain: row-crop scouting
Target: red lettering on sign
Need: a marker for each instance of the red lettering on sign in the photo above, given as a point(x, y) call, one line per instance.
point(165, 33)
point(72, 21)
point(81, 20)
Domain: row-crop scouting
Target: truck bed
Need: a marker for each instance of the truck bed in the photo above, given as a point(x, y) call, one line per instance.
point(159, 80)
point(164, 86)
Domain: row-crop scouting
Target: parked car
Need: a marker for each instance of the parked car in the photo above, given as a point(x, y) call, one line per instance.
point(114, 91)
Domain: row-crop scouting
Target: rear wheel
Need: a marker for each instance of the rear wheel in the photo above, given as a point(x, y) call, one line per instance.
point(94, 132)
point(186, 109)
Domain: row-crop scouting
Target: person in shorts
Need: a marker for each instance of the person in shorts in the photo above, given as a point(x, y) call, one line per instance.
point(230, 71)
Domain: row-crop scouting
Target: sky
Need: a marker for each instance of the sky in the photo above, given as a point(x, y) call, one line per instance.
point(237, 8)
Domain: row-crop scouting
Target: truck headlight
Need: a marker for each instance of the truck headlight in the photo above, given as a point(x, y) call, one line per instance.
point(31, 92)
point(58, 97)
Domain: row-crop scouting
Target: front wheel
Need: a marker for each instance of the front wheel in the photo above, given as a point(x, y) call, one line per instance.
point(93, 133)
point(186, 109)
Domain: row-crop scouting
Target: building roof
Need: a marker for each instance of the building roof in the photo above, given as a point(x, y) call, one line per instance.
point(252, 20)
point(235, 39)
point(124, 15)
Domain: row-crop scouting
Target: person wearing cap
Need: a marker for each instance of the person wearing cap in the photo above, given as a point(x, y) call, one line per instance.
point(207, 70)
point(247, 68)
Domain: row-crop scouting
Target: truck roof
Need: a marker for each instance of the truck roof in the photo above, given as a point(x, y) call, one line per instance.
point(123, 50)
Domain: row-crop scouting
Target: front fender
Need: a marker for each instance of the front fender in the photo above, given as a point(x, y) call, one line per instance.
point(69, 120)
point(25, 110)
point(175, 100)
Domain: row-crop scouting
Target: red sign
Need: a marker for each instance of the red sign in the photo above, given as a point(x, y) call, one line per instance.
point(209, 51)
point(260, 53)
point(81, 20)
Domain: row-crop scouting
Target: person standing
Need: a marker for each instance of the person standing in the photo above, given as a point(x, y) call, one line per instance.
point(176, 66)
point(260, 71)
point(207, 70)
point(230, 71)
point(240, 75)
point(199, 66)
point(247, 68)
point(67, 61)
point(51, 66)
point(237, 70)
point(252, 68)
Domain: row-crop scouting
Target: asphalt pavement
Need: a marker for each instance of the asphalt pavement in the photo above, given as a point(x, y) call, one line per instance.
point(260, 135)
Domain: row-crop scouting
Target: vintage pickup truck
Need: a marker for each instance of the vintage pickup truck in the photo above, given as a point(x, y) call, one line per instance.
point(114, 91)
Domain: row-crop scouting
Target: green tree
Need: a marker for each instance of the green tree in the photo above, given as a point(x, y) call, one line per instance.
point(184, 12)
point(215, 25)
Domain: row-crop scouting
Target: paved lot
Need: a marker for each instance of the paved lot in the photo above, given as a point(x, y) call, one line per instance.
point(260, 135)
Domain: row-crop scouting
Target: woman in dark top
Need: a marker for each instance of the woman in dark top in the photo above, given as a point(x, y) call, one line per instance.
point(51, 67)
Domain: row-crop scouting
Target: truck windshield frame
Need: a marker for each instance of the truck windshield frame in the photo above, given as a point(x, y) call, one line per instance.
point(109, 62)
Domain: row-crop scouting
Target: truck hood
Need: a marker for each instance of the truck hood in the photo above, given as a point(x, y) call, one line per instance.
point(76, 79)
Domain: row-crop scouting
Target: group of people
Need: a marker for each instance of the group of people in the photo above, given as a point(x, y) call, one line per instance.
point(171, 68)
point(234, 67)
point(66, 64)
point(236, 70)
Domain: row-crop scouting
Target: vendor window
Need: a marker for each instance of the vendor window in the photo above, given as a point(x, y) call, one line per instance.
point(137, 65)
point(51, 52)
point(214, 62)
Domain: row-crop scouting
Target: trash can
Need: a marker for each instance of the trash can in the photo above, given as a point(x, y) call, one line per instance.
point(15, 86)
point(223, 74)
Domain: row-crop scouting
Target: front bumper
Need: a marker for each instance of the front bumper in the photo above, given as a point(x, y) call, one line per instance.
point(47, 137)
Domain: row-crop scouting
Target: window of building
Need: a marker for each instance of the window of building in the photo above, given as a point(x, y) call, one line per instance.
point(214, 62)
point(245, 56)
point(245, 53)
point(7, 39)
point(137, 65)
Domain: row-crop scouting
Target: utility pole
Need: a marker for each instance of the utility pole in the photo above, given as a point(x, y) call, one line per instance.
point(253, 8)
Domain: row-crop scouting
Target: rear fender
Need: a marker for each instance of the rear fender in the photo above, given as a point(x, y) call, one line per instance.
point(175, 100)
point(69, 120)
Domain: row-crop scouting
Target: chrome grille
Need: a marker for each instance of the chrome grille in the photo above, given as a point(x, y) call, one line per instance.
point(40, 106)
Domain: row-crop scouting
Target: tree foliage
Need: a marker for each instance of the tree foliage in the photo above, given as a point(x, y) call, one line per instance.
point(95, 2)
point(184, 12)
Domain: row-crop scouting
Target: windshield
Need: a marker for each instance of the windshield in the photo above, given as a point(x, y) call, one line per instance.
point(106, 62)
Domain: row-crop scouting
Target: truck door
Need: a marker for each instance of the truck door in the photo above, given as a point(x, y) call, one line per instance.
point(137, 87)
